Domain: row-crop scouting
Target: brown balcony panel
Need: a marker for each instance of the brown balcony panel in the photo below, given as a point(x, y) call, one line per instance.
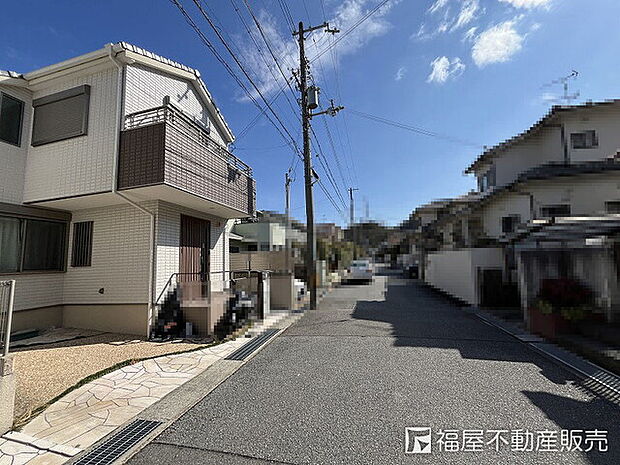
point(164, 146)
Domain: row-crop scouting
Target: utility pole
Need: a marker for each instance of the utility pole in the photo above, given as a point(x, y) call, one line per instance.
point(306, 115)
point(352, 220)
point(287, 237)
point(351, 207)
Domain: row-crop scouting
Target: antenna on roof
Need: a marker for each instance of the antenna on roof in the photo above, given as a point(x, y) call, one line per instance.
point(566, 98)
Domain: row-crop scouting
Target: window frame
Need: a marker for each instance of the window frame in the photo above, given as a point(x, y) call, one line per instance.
point(24, 220)
point(543, 207)
point(21, 118)
point(612, 202)
point(585, 133)
point(514, 222)
point(88, 236)
point(83, 90)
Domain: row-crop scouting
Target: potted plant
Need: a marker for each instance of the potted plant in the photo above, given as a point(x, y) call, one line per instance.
point(560, 303)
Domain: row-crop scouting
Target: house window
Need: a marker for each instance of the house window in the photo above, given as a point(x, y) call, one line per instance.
point(550, 211)
point(509, 223)
point(31, 245)
point(584, 140)
point(487, 180)
point(11, 116)
point(252, 248)
point(234, 249)
point(264, 247)
point(82, 248)
point(61, 116)
point(612, 207)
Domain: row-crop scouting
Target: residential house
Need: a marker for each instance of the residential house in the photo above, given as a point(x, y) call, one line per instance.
point(565, 165)
point(329, 231)
point(116, 186)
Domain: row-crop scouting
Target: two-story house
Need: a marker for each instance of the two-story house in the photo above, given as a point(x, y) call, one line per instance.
point(116, 186)
point(565, 165)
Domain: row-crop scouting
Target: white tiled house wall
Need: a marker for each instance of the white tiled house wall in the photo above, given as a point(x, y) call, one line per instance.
point(13, 158)
point(146, 88)
point(34, 290)
point(81, 165)
point(120, 257)
point(168, 232)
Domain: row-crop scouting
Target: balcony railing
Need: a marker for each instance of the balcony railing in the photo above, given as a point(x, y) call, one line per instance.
point(165, 147)
point(190, 127)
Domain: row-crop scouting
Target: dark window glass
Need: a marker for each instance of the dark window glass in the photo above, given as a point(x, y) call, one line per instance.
point(11, 115)
point(555, 210)
point(82, 249)
point(612, 207)
point(509, 223)
point(584, 140)
point(10, 244)
point(252, 248)
point(44, 247)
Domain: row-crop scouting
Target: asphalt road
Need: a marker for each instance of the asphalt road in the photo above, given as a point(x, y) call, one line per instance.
point(341, 385)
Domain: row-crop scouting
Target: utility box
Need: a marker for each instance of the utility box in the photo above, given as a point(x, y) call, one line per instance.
point(313, 97)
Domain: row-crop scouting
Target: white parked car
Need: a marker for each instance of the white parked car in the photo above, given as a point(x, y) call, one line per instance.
point(360, 270)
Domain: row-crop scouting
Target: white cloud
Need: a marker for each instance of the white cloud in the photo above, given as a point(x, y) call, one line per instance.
point(400, 73)
point(497, 44)
point(528, 4)
point(470, 35)
point(467, 14)
point(442, 68)
point(348, 13)
point(438, 5)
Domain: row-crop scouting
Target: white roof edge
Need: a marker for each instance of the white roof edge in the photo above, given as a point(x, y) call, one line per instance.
point(149, 59)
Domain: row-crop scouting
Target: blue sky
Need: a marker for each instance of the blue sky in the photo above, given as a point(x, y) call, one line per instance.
point(472, 70)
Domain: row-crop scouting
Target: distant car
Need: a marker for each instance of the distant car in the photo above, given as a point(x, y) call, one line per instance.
point(360, 270)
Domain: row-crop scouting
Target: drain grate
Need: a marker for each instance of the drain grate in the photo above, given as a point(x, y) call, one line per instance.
point(243, 352)
point(117, 445)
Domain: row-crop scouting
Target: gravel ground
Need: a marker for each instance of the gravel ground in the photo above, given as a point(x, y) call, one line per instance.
point(43, 372)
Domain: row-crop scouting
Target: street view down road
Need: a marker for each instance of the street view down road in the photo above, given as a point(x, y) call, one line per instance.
point(364, 377)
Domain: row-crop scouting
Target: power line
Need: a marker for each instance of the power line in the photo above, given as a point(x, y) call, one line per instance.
point(227, 67)
point(415, 129)
point(244, 71)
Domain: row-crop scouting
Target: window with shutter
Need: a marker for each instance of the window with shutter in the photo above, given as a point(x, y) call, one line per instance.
point(61, 116)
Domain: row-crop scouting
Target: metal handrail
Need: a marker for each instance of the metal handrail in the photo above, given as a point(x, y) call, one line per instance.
point(175, 275)
point(7, 299)
point(174, 116)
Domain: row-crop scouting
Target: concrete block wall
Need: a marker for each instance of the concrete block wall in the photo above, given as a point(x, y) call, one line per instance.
point(81, 165)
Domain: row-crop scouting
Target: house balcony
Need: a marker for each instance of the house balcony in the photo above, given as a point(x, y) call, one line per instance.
point(166, 155)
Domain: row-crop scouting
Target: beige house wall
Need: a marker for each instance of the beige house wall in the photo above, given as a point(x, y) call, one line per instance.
point(456, 271)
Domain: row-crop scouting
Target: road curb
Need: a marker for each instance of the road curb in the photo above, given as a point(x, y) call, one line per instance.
point(173, 406)
point(607, 380)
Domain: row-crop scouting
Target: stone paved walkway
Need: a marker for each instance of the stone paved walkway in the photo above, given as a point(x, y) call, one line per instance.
point(94, 410)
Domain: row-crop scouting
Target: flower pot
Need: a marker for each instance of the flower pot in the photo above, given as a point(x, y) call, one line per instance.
point(548, 325)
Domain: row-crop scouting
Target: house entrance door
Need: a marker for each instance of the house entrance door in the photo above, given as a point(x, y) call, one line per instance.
point(194, 259)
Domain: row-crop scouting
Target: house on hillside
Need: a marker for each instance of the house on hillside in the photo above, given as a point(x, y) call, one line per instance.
point(116, 190)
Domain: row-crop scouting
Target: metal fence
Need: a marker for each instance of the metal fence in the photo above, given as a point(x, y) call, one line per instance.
point(7, 293)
